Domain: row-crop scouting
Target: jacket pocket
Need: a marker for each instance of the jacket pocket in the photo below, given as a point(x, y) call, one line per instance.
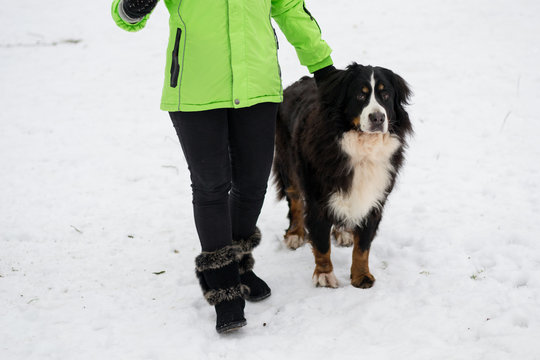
point(175, 65)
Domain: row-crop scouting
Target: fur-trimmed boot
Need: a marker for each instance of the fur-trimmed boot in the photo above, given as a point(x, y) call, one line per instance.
point(258, 289)
point(219, 278)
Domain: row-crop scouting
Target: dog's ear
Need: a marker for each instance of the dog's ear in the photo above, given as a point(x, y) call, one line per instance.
point(403, 90)
point(333, 90)
point(402, 96)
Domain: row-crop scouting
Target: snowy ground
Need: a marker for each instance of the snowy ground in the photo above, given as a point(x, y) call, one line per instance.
point(94, 195)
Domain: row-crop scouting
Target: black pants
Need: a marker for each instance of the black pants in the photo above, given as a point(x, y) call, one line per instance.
point(229, 154)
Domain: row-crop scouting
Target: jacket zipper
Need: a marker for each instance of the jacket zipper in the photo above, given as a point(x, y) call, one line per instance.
point(175, 66)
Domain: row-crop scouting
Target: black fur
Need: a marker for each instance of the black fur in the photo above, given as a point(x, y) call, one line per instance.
point(311, 122)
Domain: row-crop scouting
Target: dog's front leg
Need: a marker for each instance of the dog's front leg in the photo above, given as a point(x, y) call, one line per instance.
point(319, 233)
point(361, 277)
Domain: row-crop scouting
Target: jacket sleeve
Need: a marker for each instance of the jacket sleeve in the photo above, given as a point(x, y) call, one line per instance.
point(122, 23)
point(303, 32)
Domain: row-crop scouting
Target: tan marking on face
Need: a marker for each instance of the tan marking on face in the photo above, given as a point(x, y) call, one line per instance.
point(360, 275)
point(323, 264)
point(380, 87)
point(356, 121)
point(365, 90)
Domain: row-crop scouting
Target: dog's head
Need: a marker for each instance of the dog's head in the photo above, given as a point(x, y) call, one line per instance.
point(370, 99)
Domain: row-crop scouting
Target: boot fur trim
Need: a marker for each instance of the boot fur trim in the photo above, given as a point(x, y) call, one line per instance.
point(246, 263)
point(216, 259)
point(247, 245)
point(217, 296)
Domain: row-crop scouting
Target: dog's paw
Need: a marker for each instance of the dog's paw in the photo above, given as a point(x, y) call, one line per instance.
point(293, 242)
point(344, 238)
point(325, 279)
point(364, 281)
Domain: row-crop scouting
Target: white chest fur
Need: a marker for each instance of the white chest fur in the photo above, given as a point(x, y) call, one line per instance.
point(370, 156)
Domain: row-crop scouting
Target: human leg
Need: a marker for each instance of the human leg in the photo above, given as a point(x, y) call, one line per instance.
point(251, 143)
point(204, 139)
point(203, 136)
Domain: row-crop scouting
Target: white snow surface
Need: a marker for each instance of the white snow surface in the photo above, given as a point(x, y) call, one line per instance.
point(95, 195)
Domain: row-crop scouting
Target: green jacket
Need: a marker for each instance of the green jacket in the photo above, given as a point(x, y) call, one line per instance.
point(223, 53)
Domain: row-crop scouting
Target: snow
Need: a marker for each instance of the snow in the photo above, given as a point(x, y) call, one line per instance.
point(95, 197)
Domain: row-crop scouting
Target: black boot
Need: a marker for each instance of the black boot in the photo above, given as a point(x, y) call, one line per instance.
point(258, 289)
point(218, 275)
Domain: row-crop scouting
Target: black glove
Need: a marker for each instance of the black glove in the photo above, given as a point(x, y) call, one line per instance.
point(137, 9)
point(322, 74)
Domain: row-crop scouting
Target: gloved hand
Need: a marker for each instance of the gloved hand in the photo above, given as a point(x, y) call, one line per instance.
point(322, 74)
point(137, 9)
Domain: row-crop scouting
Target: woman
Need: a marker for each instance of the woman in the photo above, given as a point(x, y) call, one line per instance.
point(222, 89)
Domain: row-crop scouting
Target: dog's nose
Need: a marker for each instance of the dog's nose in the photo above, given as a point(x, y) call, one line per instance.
point(377, 118)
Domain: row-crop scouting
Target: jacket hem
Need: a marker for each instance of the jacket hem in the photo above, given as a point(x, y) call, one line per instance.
point(171, 107)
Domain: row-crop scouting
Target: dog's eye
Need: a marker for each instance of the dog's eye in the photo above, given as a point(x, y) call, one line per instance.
point(361, 97)
point(385, 95)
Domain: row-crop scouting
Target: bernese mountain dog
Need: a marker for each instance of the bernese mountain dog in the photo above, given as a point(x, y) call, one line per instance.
point(339, 148)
